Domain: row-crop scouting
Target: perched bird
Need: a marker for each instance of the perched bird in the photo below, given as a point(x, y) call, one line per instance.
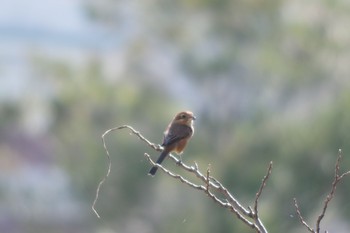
point(176, 136)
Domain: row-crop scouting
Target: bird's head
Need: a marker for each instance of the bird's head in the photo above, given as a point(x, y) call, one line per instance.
point(185, 117)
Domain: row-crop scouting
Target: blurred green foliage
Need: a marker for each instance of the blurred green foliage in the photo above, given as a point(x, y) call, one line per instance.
point(266, 80)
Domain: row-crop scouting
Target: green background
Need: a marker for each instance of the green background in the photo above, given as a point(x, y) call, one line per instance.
point(267, 80)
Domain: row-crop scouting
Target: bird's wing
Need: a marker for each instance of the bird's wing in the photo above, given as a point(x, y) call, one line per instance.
point(176, 133)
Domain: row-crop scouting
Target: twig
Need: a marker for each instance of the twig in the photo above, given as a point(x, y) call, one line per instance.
point(330, 196)
point(263, 184)
point(207, 178)
point(257, 196)
point(139, 135)
point(301, 219)
point(337, 179)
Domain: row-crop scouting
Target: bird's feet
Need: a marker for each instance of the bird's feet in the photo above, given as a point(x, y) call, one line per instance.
point(179, 160)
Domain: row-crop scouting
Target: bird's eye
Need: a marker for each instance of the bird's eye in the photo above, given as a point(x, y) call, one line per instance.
point(183, 116)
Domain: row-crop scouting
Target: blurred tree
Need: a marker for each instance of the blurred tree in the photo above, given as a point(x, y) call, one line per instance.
point(267, 79)
point(263, 69)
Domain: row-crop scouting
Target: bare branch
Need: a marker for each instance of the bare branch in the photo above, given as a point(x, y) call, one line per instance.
point(257, 196)
point(207, 178)
point(337, 179)
point(330, 196)
point(263, 184)
point(214, 183)
point(195, 170)
point(139, 135)
point(182, 179)
point(231, 202)
point(211, 186)
point(301, 219)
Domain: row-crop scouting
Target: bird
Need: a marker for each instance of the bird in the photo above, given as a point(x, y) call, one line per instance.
point(176, 136)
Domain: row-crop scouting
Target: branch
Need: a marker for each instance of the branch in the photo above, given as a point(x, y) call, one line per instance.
point(337, 178)
point(330, 196)
point(301, 217)
point(139, 135)
point(258, 194)
point(206, 183)
point(223, 203)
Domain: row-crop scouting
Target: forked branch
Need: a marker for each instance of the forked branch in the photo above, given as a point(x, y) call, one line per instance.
point(337, 178)
point(206, 183)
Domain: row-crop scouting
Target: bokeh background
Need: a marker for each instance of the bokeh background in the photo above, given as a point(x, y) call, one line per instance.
point(268, 80)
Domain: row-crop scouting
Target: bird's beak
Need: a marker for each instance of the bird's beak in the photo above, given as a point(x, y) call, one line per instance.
point(193, 117)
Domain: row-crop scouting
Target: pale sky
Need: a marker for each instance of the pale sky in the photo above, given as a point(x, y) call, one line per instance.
point(42, 26)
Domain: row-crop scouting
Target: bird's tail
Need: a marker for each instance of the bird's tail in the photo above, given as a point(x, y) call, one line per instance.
point(154, 169)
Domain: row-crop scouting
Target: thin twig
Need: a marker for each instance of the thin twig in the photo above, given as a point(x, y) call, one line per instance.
point(337, 179)
point(330, 196)
point(139, 135)
point(263, 184)
point(207, 178)
point(301, 219)
point(255, 214)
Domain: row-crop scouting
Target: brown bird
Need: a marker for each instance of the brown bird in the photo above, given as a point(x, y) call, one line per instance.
point(176, 136)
